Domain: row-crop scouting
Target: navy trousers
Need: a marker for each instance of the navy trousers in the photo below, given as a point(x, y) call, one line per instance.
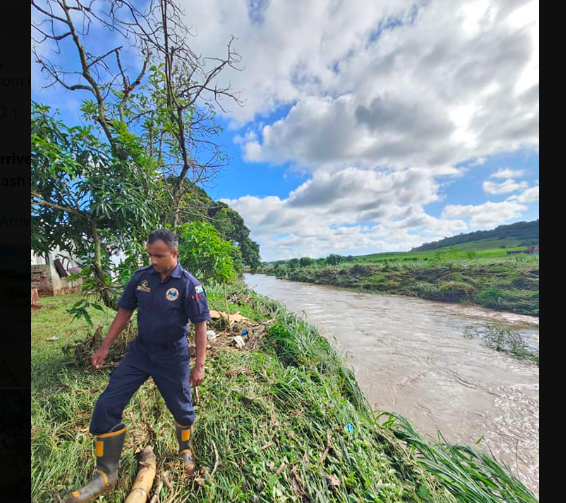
point(168, 365)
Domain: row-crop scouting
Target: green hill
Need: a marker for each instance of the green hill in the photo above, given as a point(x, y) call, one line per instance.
point(511, 236)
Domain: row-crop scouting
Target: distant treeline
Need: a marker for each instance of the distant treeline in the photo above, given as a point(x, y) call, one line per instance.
point(527, 232)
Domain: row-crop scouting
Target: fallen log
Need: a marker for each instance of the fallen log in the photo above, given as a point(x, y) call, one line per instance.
point(144, 478)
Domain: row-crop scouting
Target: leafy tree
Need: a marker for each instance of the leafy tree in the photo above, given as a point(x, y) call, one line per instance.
point(306, 262)
point(203, 252)
point(87, 201)
point(334, 259)
point(173, 99)
point(294, 263)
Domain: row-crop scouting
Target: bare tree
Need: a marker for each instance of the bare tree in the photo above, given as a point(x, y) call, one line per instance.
point(174, 111)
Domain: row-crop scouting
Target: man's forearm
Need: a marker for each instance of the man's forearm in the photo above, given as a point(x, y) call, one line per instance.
point(118, 324)
point(201, 342)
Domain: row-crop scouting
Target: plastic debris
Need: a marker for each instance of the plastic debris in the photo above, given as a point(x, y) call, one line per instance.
point(211, 335)
point(240, 344)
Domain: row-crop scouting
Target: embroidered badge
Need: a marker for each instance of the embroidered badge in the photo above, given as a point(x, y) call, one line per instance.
point(199, 289)
point(172, 294)
point(143, 286)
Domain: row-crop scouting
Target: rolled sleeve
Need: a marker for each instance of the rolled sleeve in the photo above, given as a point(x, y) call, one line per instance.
point(196, 305)
point(128, 300)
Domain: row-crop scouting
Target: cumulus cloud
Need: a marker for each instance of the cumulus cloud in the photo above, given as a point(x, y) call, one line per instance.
point(531, 195)
point(436, 85)
point(505, 187)
point(508, 173)
point(485, 215)
point(352, 209)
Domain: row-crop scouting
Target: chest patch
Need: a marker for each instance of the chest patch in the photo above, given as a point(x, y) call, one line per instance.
point(143, 287)
point(172, 294)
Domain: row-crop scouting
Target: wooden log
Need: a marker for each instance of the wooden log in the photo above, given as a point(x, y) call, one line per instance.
point(144, 478)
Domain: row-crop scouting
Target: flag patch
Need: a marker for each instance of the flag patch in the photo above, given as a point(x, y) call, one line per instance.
point(199, 289)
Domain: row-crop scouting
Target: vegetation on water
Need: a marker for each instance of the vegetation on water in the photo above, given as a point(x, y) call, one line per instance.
point(285, 422)
point(504, 339)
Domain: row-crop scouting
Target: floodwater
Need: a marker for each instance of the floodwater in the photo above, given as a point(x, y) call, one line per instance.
point(410, 356)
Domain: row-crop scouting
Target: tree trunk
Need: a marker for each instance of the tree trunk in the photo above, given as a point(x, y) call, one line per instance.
point(226, 307)
point(102, 288)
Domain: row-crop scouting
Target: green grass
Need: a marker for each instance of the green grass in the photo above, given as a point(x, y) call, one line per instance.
point(286, 423)
point(469, 474)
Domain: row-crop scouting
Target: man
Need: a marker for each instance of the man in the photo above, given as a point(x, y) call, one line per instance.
point(167, 297)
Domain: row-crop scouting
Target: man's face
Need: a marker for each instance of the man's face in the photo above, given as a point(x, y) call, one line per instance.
point(162, 258)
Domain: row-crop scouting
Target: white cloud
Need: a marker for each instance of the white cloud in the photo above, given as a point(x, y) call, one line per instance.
point(485, 215)
point(505, 187)
point(531, 195)
point(508, 173)
point(427, 92)
point(352, 211)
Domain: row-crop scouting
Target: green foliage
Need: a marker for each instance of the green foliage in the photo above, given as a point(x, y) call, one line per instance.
point(294, 263)
point(455, 291)
point(502, 338)
point(79, 309)
point(306, 261)
point(85, 199)
point(469, 474)
point(203, 252)
point(334, 259)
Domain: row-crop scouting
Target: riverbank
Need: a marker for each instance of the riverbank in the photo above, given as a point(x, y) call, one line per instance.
point(283, 422)
point(506, 284)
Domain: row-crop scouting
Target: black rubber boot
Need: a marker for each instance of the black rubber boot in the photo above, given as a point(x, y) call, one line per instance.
point(108, 450)
point(183, 437)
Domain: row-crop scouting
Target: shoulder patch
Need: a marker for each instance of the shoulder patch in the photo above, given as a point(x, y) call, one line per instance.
point(194, 282)
point(199, 289)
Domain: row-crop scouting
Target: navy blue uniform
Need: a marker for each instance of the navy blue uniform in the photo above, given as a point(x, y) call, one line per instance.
point(161, 350)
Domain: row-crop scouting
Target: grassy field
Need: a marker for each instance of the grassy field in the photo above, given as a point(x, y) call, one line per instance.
point(284, 422)
point(506, 284)
point(493, 248)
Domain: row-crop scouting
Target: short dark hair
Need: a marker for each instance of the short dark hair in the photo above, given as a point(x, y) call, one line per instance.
point(169, 237)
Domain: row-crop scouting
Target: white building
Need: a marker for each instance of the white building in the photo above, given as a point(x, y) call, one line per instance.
point(49, 274)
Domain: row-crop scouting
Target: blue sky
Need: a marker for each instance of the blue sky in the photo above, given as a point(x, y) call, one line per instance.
point(368, 127)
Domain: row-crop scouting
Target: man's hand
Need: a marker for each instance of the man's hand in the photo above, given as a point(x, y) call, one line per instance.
point(197, 376)
point(120, 321)
point(98, 358)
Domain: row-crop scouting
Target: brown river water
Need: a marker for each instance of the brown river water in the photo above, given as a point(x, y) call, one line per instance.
point(410, 356)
